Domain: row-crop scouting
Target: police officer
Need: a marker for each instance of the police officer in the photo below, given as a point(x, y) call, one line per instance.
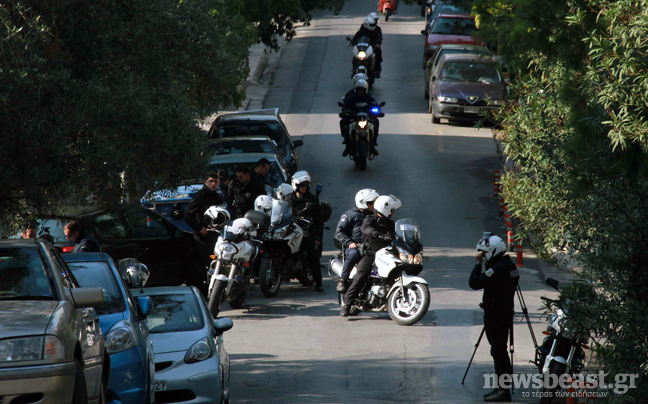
point(377, 232)
point(245, 189)
point(499, 282)
point(298, 200)
point(359, 101)
point(371, 29)
point(349, 232)
point(202, 200)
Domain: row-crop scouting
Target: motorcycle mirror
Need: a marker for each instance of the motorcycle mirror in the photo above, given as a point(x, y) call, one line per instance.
point(380, 115)
point(382, 104)
point(348, 38)
point(553, 283)
point(424, 32)
point(318, 190)
point(340, 104)
point(298, 143)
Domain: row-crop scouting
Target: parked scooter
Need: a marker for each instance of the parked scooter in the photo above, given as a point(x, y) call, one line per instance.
point(361, 134)
point(393, 285)
point(364, 58)
point(562, 351)
point(387, 8)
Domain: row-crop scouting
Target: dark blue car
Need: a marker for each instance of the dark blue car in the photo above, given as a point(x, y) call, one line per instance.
point(123, 323)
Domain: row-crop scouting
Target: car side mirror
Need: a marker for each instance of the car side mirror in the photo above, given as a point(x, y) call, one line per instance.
point(424, 32)
point(382, 104)
point(144, 306)
point(86, 297)
point(298, 143)
point(223, 324)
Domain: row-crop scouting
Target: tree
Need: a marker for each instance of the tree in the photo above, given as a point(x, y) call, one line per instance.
point(99, 97)
point(576, 129)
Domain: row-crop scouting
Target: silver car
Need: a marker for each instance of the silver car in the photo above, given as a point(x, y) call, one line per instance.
point(51, 346)
point(191, 364)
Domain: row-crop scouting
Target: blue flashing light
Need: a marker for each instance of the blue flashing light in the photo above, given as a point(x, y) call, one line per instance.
point(375, 110)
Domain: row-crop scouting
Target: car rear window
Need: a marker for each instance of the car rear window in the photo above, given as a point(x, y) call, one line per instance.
point(174, 312)
point(271, 129)
point(454, 26)
point(273, 179)
point(94, 274)
point(471, 72)
point(249, 147)
point(23, 275)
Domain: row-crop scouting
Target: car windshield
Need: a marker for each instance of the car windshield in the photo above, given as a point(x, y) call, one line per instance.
point(471, 72)
point(174, 312)
point(273, 178)
point(93, 274)
point(454, 26)
point(237, 148)
point(53, 227)
point(252, 128)
point(23, 275)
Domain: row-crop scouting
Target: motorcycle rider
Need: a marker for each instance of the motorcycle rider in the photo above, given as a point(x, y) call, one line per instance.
point(349, 232)
point(359, 101)
point(370, 29)
point(301, 181)
point(499, 282)
point(377, 232)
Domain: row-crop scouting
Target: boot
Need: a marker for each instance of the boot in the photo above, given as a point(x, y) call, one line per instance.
point(345, 152)
point(490, 393)
point(374, 151)
point(377, 74)
point(345, 311)
point(319, 287)
point(343, 285)
point(502, 396)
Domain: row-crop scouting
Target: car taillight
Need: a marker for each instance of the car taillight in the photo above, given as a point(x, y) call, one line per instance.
point(68, 249)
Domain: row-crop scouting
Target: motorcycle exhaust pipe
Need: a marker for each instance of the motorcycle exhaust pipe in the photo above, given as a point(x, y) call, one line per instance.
point(335, 266)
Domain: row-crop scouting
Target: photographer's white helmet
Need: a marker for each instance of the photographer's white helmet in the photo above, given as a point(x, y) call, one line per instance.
point(263, 203)
point(359, 76)
point(369, 23)
point(365, 195)
point(283, 191)
point(384, 204)
point(299, 178)
point(491, 245)
point(217, 216)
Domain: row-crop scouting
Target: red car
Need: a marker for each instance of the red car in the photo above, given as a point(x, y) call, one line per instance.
point(449, 28)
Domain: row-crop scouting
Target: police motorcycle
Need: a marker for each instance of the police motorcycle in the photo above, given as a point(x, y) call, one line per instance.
point(364, 58)
point(562, 351)
point(394, 285)
point(230, 272)
point(361, 133)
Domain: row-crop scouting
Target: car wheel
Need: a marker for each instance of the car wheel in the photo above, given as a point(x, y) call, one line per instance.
point(435, 120)
point(80, 394)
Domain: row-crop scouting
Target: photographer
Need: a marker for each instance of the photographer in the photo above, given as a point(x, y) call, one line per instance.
point(499, 282)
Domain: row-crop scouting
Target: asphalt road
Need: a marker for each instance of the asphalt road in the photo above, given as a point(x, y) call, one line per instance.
point(294, 348)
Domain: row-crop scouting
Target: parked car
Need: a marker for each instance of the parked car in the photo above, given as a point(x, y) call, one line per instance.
point(51, 346)
point(445, 49)
point(264, 122)
point(463, 86)
point(123, 323)
point(191, 363)
point(438, 7)
point(248, 144)
point(172, 203)
point(449, 28)
point(131, 231)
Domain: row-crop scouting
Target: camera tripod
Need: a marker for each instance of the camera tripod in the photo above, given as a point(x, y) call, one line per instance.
point(525, 312)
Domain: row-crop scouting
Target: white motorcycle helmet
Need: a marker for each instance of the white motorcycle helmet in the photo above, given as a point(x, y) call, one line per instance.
point(491, 245)
point(263, 203)
point(361, 83)
point(217, 217)
point(359, 76)
point(385, 204)
point(369, 23)
point(365, 195)
point(300, 177)
point(375, 16)
point(283, 191)
point(243, 226)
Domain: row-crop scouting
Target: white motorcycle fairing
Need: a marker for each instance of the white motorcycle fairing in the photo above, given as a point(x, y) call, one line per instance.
point(294, 238)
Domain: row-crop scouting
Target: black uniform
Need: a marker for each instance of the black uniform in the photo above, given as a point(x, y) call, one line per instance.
point(377, 233)
point(86, 243)
point(349, 230)
point(194, 215)
point(375, 38)
point(243, 196)
point(358, 104)
point(499, 283)
point(298, 204)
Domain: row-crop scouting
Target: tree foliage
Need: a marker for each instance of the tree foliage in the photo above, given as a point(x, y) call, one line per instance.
point(575, 127)
point(98, 95)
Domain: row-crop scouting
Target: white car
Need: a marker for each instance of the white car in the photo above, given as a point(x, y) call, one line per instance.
point(191, 364)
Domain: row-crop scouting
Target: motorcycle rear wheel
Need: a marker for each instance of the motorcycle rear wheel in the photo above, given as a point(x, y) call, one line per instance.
point(411, 311)
point(269, 277)
point(558, 369)
point(216, 298)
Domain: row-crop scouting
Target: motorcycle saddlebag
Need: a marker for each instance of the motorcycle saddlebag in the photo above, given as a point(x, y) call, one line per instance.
point(260, 220)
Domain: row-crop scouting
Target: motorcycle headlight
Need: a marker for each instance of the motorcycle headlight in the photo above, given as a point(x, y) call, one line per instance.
point(362, 124)
point(227, 251)
point(418, 258)
point(361, 55)
point(567, 328)
point(448, 100)
point(279, 234)
point(199, 351)
point(121, 337)
point(31, 349)
point(405, 256)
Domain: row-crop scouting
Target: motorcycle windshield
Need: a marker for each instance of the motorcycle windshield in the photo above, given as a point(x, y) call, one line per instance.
point(232, 234)
point(364, 42)
point(407, 230)
point(280, 212)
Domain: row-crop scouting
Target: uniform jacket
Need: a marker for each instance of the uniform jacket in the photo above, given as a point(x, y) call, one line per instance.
point(375, 36)
point(374, 226)
point(358, 104)
point(299, 203)
point(499, 283)
point(86, 243)
point(349, 228)
point(200, 202)
point(243, 196)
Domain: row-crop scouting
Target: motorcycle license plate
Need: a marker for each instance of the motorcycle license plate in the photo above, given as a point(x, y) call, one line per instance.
point(469, 110)
point(160, 385)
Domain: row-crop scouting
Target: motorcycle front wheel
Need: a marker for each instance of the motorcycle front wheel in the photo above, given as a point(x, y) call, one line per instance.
point(387, 14)
point(216, 297)
point(411, 310)
point(558, 369)
point(361, 154)
point(269, 277)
